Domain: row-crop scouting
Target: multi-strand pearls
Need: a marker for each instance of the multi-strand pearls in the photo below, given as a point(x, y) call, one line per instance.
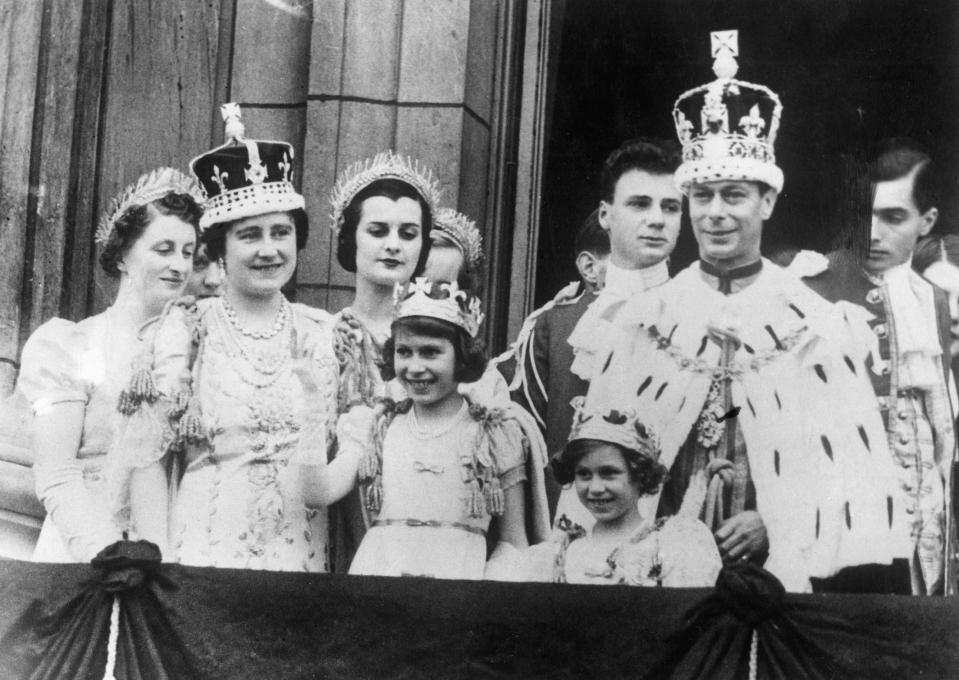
point(267, 365)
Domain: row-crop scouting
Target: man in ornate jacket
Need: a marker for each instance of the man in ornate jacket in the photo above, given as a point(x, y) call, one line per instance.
point(639, 218)
point(908, 364)
point(755, 385)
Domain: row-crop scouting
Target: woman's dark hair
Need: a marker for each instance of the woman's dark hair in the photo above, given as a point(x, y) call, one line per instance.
point(649, 473)
point(394, 190)
point(133, 222)
point(470, 357)
point(214, 237)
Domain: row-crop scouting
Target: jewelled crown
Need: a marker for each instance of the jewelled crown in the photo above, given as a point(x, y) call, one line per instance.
point(617, 427)
point(384, 165)
point(148, 188)
point(727, 127)
point(245, 177)
point(441, 300)
point(462, 231)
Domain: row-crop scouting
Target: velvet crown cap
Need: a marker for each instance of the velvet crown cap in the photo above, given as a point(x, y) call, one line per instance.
point(245, 177)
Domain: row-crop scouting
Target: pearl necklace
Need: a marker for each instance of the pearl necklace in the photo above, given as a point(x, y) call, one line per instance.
point(420, 432)
point(278, 323)
point(267, 366)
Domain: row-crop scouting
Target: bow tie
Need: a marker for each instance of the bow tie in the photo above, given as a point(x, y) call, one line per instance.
point(727, 276)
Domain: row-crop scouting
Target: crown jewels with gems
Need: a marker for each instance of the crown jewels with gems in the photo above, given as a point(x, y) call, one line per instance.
point(737, 125)
point(462, 231)
point(440, 300)
point(245, 177)
point(614, 426)
point(384, 165)
point(148, 188)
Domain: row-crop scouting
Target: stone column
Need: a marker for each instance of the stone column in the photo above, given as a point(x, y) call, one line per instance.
point(415, 76)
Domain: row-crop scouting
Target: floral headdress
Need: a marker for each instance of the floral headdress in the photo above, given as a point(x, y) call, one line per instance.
point(462, 231)
point(384, 165)
point(150, 187)
point(443, 301)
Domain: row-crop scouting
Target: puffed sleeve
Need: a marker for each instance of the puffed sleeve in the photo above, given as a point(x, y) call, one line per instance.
point(50, 368)
point(518, 452)
point(52, 363)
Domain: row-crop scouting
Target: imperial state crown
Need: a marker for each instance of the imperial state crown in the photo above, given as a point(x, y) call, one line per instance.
point(727, 127)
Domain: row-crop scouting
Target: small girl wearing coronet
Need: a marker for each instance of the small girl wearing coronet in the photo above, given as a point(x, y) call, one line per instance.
point(612, 461)
point(434, 469)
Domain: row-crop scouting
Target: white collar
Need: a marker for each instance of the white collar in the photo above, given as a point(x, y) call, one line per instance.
point(627, 282)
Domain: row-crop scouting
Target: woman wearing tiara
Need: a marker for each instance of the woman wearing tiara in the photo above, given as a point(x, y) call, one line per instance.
point(241, 375)
point(382, 215)
point(456, 250)
point(73, 373)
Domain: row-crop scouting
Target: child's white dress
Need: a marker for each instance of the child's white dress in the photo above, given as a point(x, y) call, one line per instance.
point(436, 492)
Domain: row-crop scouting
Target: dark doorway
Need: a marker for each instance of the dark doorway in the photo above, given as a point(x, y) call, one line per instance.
point(849, 72)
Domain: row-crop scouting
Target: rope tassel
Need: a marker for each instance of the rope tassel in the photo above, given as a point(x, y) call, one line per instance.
point(477, 501)
point(495, 501)
point(191, 424)
point(374, 496)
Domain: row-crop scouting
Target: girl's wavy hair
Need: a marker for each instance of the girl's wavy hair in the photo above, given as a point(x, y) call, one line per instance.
point(649, 473)
point(470, 357)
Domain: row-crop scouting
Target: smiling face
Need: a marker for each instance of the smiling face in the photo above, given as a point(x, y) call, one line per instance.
point(158, 263)
point(260, 254)
point(642, 219)
point(605, 486)
point(426, 367)
point(389, 237)
point(896, 224)
point(728, 221)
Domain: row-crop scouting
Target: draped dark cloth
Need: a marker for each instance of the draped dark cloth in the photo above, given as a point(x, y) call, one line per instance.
point(53, 639)
point(244, 625)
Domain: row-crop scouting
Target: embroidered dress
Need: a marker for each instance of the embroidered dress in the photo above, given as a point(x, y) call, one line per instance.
point(674, 552)
point(238, 503)
point(807, 416)
point(87, 363)
point(432, 494)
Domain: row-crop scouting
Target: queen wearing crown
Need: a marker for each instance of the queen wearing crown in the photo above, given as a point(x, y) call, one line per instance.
point(73, 373)
point(232, 383)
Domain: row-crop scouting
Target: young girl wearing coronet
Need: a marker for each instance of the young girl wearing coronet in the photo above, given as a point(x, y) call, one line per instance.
point(612, 460)
point(436, 468)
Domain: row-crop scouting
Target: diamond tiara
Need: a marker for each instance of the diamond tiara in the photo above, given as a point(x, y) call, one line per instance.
point(463, 232)
point(148, 188)
point(384, 165)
